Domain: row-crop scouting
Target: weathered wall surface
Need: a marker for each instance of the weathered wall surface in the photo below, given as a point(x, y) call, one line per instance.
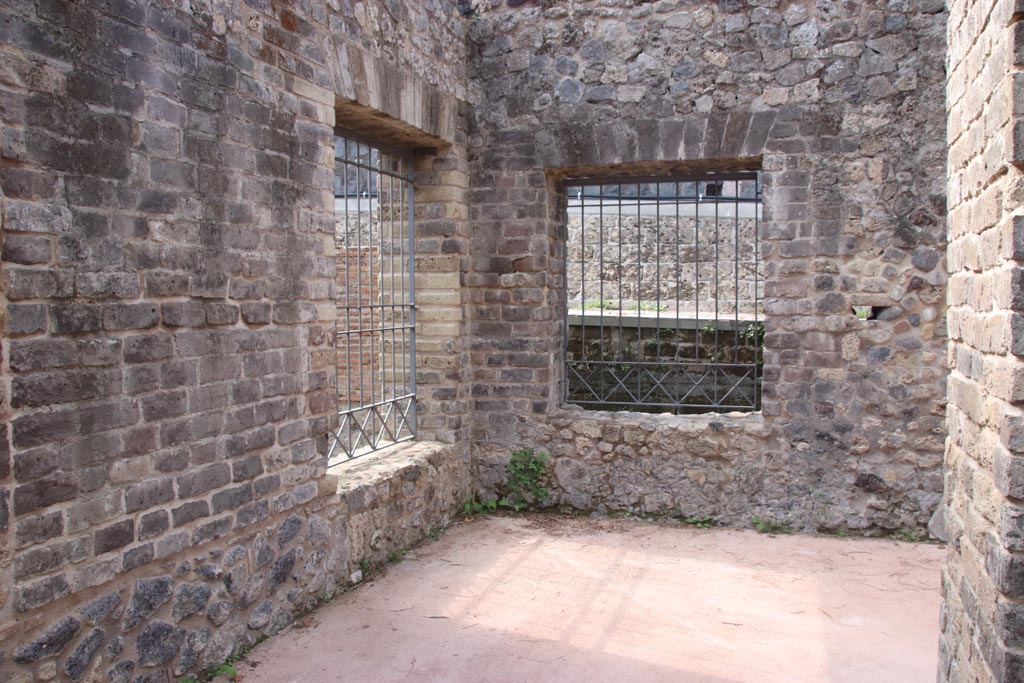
point(168, 363)
point(198, 608)
point(835, 103)
point(983, 582)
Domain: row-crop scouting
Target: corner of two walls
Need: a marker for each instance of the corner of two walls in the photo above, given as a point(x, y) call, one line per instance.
point(838, 104)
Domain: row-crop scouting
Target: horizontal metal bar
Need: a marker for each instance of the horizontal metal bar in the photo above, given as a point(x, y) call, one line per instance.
point(665, 321)
point(377, 404)
point(737, 406)
point(666, 179)
point(683, 200)
point(371, 330)
point(371, 169)
point(363, 307)
point(661, 364)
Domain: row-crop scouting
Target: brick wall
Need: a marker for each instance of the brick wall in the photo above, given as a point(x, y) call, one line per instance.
point(162, 387)
point(983, 582)
point(836, 104)
point(442, 317)
point(168, 375)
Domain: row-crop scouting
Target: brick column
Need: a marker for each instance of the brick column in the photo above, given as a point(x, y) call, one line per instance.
point(442, 256)
point(983, 582)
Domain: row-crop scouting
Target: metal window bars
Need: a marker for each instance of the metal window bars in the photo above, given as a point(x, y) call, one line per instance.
point(663, 293)
point(375, 337)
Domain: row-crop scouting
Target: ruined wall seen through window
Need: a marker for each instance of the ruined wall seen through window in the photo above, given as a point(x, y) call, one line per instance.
point(663, 291)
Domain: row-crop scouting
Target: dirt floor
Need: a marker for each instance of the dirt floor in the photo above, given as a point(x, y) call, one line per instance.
point(566, 599)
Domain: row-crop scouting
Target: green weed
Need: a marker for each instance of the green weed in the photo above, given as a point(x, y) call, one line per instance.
point(523, 489)
point(700, 521)
point(768, 525)
point(526, 471)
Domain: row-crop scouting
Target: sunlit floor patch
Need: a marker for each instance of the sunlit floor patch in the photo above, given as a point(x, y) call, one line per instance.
point(563, 599)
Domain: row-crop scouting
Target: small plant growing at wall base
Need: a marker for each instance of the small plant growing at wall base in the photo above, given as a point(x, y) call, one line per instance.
point(217, 670)
point(526, 470)
point(767, 525)
point(700, 521)
point(523, 488)
point(475, 506)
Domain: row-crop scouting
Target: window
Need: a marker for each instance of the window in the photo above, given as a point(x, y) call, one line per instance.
point(375, 336)
point(663, 293)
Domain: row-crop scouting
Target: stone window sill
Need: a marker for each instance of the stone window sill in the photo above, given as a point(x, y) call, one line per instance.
point(744, 420)
point(383, 464)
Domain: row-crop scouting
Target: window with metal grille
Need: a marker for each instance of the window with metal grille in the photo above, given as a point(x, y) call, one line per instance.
point(375, 338)
point(663, 293)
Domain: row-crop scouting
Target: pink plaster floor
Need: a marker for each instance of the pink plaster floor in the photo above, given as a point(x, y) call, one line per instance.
point(566, 599)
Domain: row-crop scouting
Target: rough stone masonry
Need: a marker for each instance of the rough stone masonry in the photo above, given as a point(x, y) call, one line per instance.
point(169, 298)
point(835, 104)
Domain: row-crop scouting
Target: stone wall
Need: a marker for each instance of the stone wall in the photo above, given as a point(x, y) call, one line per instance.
point(168, 375)
point(835, 104)
point(983, 582)
point(658, 464)
point(200, 607)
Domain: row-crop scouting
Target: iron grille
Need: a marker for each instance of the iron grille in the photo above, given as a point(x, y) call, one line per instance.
point(375, 340)
point(663, 293)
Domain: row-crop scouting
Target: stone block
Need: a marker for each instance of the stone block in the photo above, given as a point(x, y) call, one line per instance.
point(114, 536)
point(51, 642)
point(148, 595)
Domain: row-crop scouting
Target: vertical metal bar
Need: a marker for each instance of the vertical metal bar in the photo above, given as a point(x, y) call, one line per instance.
point(563, 215)
point(736, 268)
point(657, 271)
point(412, 303)
point(378, 300)
point(583, 276)
point(620, 331)
point(382, 299)
point(696, 270)
point(370, 239)
point(348, 308)
point(715, 359)
point(600, 298)
point(391, 267)
point(359, 303)
point(402, 208)
point(676, 340)
point(758, 337)
point(640, 353)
